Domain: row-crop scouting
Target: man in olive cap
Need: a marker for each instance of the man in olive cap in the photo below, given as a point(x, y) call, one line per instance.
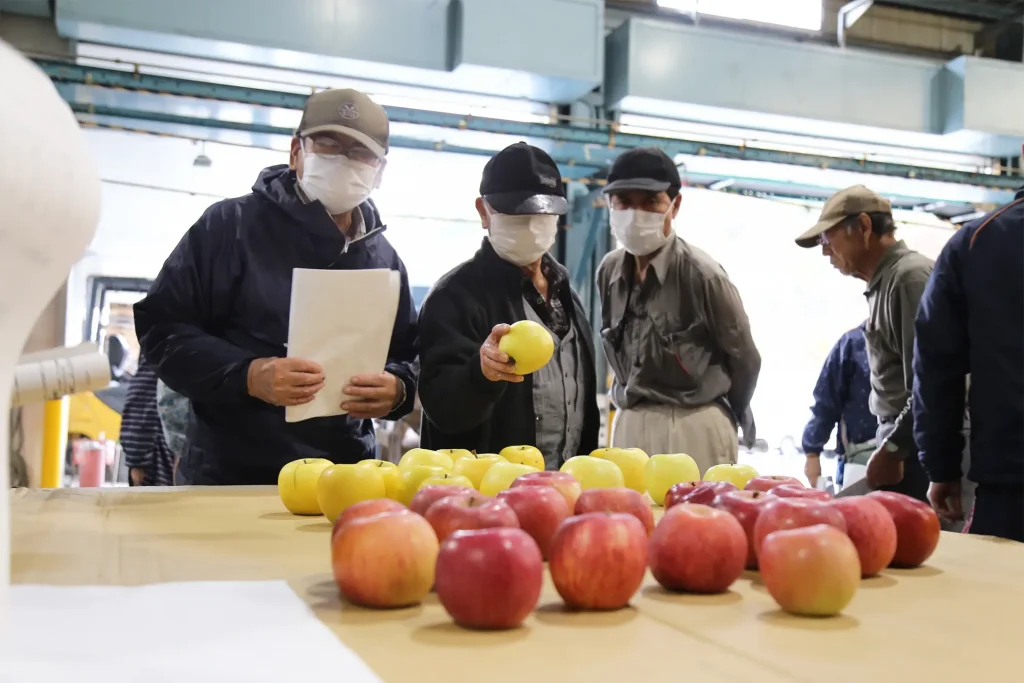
point(856, 231)
point(215, 321)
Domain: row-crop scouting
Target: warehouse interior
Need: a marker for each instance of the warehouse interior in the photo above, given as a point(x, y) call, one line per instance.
point(767, 110)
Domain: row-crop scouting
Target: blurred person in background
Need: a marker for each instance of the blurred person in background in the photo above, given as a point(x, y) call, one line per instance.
point(470, 393)
point(841, 399)
point(675, 333)
point(150, 461)
point(856, 231)
point(215, 321)
point(971, 326)
point(173, 409)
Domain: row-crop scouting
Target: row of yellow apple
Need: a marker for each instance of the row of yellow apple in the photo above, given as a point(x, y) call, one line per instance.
point(317, 486)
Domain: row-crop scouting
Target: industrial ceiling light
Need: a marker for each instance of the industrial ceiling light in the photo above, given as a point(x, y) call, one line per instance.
point(201, 160)
point(799, 14)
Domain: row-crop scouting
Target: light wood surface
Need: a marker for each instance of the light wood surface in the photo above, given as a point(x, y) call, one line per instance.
point(960, 617)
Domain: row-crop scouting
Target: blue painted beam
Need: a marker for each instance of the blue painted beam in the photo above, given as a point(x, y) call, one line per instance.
point(573, 145)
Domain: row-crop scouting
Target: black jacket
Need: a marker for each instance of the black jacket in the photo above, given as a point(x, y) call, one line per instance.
point(222, 300)
point(971, 322)
point(461, 408)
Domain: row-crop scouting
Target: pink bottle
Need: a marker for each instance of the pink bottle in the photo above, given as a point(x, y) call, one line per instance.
point(92, 464)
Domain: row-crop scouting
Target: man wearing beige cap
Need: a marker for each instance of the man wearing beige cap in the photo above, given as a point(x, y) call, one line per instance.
point(857, 232)
point(215, 321)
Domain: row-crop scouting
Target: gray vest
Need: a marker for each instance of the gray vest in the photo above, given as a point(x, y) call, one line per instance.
point(558, 397)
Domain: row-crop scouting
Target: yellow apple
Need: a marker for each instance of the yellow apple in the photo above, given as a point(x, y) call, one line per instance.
point(421, 456)
point(296, 484)
point(528, 345)
point(412, 477)
point(389, 471)
point(523, 455)
point(474, 470)
point(666, 469)
point(748, 472)
point(448, 480)
point(457, 454)
point(340, 486)
point(594, 473)
point(632, 462)
point(737, 475)
point(501, 475)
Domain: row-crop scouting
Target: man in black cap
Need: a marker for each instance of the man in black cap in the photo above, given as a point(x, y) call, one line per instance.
point(215, 321)
point(675, 332)
point(470, 393)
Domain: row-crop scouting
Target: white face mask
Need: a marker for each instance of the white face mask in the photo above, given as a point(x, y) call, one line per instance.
point(522, 240)
point(640, 232)
point(340, 184)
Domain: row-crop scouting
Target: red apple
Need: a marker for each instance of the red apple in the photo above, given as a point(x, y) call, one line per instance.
point(598, 560)
point(697, 548)
point(469, 511)
point(812, 571)
point(428, 495)
point(917, 528)
point(385, 560)
point(792, 513)
point(768, 482)
point(746, 507)
point(563, 482)
point(540, 510)
point(799, 491)
point(698, 492)
point(869, 525)
point(490, 578)
point(366, 508)
point(616, 500)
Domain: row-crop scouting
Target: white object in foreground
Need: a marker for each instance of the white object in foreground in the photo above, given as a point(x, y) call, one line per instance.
point(204, 632)
point(341, 319)
point(55, 373)
point(49, 207)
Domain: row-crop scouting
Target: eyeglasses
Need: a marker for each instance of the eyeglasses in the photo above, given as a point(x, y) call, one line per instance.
point(332, 148)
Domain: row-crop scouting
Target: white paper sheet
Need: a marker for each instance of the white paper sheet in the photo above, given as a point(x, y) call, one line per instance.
point(49, 375)
point(216, 632)
point(341, 319)
point(49, 207)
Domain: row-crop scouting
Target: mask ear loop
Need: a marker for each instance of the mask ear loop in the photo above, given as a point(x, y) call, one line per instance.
point(380, 173)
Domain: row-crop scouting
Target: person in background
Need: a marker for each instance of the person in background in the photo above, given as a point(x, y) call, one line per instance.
point(173, 409)
point(971, 326)
point(856, 231)
point(215, 322)
point(470, 393)
point(841, 398)
point(149, 459)
point(674, 329)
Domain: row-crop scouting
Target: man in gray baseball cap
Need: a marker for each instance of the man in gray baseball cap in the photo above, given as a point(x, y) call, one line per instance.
point(856, 231)
point(215, 321)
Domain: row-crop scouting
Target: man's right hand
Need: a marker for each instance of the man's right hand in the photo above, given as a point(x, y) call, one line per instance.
point(812, 469)
point(285, 381)
point(495, 365)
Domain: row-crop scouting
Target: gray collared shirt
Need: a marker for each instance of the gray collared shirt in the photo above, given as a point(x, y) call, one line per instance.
point(893, 294)
point(683, 338)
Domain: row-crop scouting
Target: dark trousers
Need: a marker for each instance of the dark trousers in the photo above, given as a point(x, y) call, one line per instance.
point(998, 511)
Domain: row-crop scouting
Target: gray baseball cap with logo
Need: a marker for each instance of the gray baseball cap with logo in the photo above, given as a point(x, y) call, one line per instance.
point(348, 112)
point(852, 201)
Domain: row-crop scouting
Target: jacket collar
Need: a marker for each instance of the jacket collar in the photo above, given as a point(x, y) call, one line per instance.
point(509, 274)
point(625, 266)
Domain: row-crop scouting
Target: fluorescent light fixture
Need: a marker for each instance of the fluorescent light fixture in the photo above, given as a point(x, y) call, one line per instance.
point(799, 14)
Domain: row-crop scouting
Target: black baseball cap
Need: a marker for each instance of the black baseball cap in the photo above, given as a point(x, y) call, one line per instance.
point(523, 180)
point(643, 168)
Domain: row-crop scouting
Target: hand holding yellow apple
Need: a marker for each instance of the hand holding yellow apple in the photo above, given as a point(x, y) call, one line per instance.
point(528, 345)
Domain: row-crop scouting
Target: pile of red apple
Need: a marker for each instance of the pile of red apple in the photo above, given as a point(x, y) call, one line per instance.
point(485, 555)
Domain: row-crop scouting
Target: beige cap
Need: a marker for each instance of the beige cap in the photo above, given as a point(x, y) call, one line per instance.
point(348, 112)
point(852, 201)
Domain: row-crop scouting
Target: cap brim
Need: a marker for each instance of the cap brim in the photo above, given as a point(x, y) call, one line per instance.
point(811, 238)
point(527, 204)
point(357, 135)
point(645, 184)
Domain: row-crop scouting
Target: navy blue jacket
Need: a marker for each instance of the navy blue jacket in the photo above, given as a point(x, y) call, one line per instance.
point(222, 299)
point(971, 322)
point(842, 394)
